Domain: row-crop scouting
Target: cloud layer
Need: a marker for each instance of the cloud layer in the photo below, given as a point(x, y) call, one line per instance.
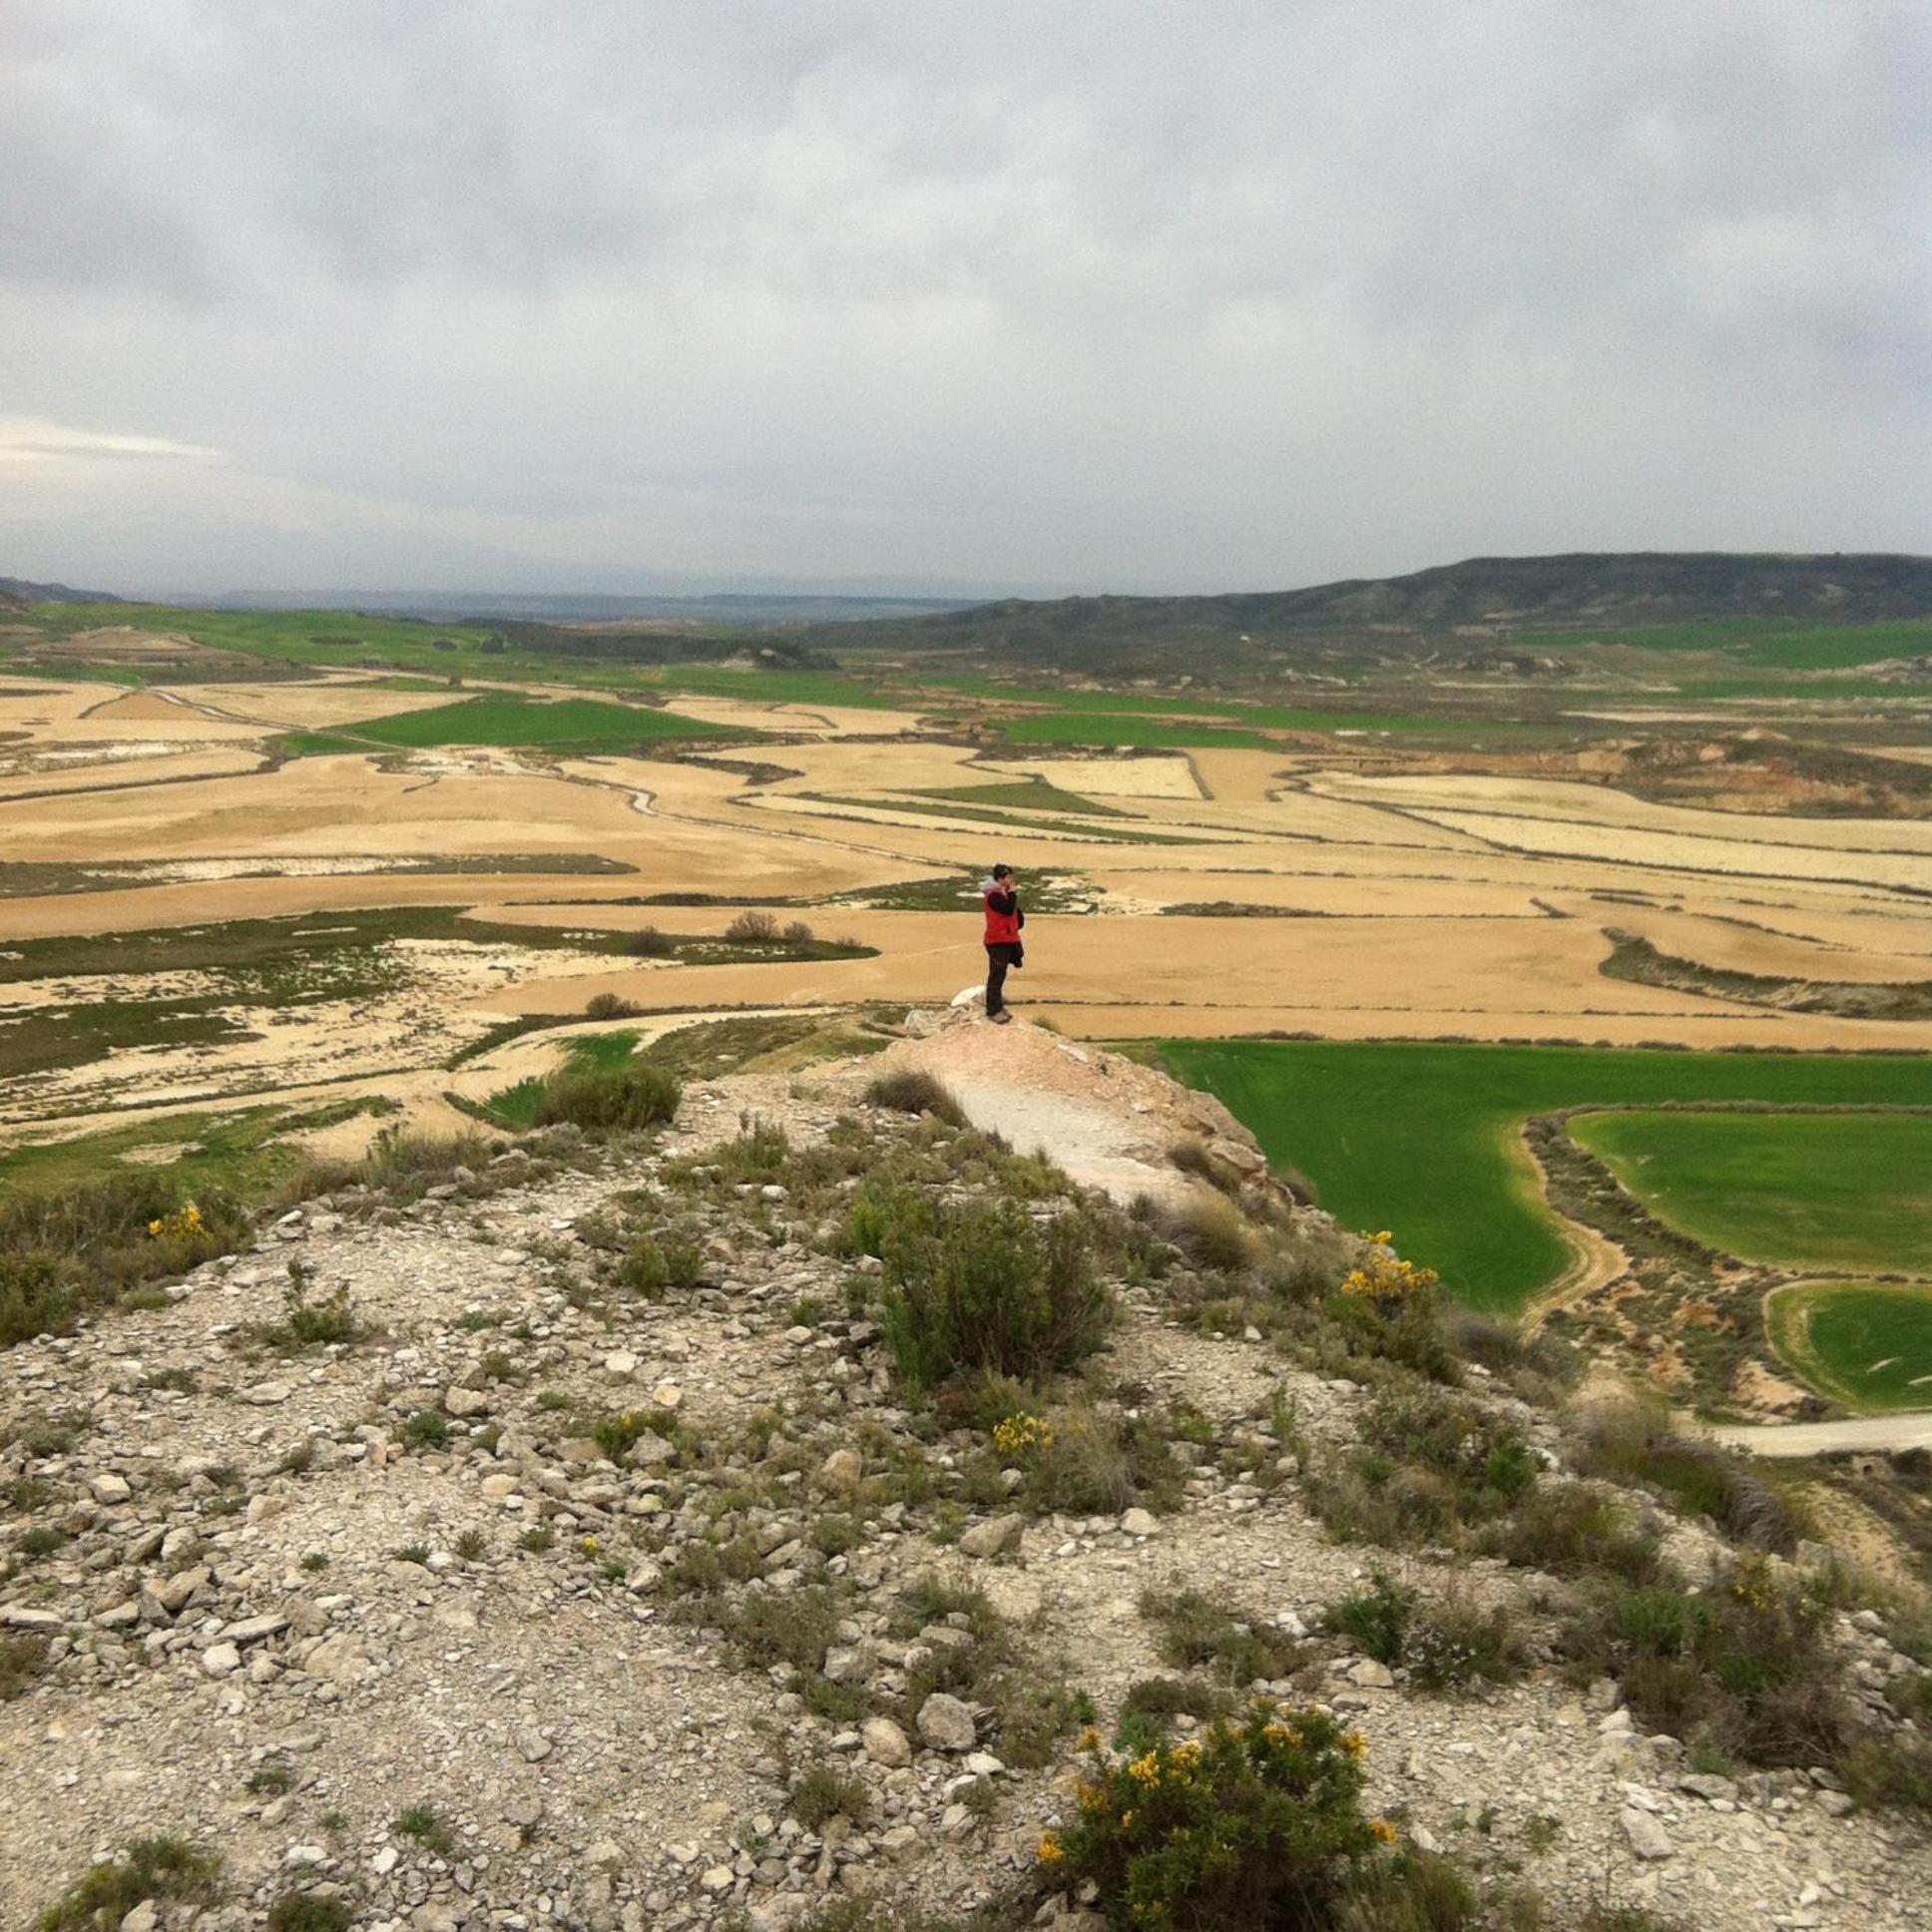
point(1107, 294)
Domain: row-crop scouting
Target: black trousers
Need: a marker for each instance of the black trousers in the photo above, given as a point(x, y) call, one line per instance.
point(998, 960)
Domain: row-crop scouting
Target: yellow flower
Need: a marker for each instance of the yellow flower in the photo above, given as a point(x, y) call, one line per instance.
point(589, 1546)
point(1353, 1743)
point(1089, 1740)
point(1146, 1771)
point(1050, 1852)
point(1127, 1820)
point(154, 1228)
point(1183, 1757)
point(1381, 1832)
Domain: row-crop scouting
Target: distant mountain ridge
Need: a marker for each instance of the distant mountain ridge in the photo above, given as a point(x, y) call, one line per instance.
point(1583, 591)
point(22, 590)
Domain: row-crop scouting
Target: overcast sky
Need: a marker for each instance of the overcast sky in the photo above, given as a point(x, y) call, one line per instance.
point(1065, 294)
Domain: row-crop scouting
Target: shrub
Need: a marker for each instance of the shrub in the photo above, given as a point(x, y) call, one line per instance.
point(643, 1267)
point(982, 1287)
point(611, 1006)
point(609, 1098)
point(309, 1912)
point(646, 943)
point(1375, 1620)
point(1212, 1233)
point(913, 1091)
point(23, 1663)
point(1431, 1464)
point(1742, 1668)
point(798, 933)
point(34, 1298)
point(425, 1430)
point(1418, 1891)
point(789, 1626)
point(1453, 1644)
point(422, 1823)
point(312, 1325)
point(825, 1792)
point(1574, 1530)
point(883, 1213)
point(751, 928)
point(1195, 1631)
point(1091, 1462)
point(163, 1869)
point(1255, 1826)
point(1150, 1706)
point(1488, 1463)
point(1443, 1645)
point(66, 1249)
point(1195, 1158)
point(1632, 1443)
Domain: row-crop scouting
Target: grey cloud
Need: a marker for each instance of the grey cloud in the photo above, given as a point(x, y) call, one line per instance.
point(1110, 292)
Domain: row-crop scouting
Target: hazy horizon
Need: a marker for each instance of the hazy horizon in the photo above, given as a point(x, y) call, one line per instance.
point(952, 302)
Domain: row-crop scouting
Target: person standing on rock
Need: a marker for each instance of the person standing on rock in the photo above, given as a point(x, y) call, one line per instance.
point(999, 894)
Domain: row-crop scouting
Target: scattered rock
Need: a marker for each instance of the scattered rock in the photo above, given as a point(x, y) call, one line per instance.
point(946, 1724)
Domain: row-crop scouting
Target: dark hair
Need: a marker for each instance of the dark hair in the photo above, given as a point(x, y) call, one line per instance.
point(1002, 871)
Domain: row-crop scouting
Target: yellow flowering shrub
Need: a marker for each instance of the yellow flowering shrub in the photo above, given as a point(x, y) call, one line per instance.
point(1386, 1279)
point(1021, 1437)
point(184, 1224)
point(1256, 1822)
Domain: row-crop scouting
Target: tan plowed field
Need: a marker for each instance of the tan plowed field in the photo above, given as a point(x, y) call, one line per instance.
point(1431, 903)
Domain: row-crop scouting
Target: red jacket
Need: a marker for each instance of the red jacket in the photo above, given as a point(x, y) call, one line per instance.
point(1002, 916)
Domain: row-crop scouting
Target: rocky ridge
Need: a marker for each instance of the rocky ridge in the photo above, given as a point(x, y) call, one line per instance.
point(402, 1619)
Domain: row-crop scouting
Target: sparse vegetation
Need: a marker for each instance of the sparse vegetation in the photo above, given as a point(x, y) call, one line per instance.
point(913, 1091)
point(425, 1826)
point(167, 1870)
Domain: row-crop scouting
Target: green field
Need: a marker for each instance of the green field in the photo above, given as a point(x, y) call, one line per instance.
point(1108, 728)
point(1796, 1190)
point(1423, 1139)
point(1870, 1347)
point(573, 724)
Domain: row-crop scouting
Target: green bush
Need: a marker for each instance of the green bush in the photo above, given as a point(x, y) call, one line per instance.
point(983, 1288)
point(309, 1912)
point(34, 1297)
point(1374, 1619)
point(644, 1268)
point(1255, 1826)
point(609, 1098)
point(825, 1792)
point(1742, 1668)
point(1418, 1892)
point(1446, 1644)
point(1431, 1464)
point(163, 1869)
point(1152, 1705)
